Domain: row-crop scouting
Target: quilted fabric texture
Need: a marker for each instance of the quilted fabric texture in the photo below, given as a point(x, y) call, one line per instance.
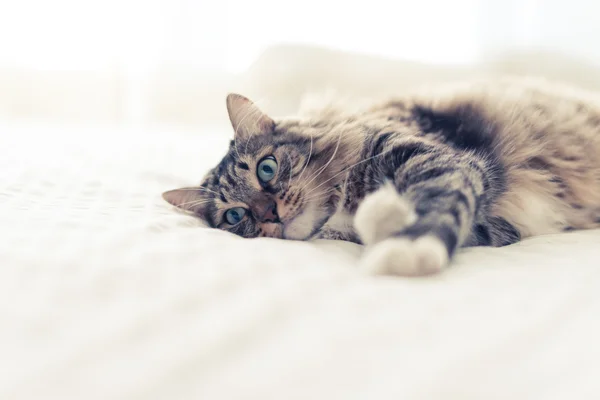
point(107, 293)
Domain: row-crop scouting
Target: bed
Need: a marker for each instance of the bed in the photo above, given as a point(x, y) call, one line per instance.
point(108, 293)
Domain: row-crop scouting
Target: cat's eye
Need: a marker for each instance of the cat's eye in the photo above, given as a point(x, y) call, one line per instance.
point(233, 216)
point(266, 169)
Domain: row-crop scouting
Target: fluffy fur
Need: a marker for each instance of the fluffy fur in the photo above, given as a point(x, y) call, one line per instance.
point(482, 163)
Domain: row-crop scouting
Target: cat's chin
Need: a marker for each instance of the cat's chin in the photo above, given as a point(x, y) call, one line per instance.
point(306, 224)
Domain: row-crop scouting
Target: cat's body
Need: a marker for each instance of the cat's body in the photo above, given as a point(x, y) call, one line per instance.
point(484, 163)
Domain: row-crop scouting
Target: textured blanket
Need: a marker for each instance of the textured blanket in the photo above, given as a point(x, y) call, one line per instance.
point(107, 293)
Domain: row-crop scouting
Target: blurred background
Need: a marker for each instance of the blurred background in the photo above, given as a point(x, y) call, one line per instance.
point(171, 62)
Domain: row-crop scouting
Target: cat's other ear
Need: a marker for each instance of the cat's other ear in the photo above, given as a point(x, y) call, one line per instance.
point(187, 199)
point(246, 118)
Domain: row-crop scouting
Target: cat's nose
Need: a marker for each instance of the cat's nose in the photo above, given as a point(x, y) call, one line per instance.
point(267, 212)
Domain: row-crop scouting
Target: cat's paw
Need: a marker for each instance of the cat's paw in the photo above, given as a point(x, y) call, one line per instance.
point(425, 255)
point(382, 213)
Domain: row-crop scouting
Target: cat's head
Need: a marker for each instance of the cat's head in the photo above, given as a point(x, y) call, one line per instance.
point(278, 179)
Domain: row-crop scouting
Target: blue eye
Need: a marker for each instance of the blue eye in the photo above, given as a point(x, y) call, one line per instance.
point(266, 169)
point(233, 216)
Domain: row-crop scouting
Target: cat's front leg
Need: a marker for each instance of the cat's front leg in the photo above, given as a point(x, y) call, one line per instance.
point(380, 222)
point(415, 230)
point(332, 234)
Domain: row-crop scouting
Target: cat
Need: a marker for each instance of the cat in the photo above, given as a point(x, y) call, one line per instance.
point(483, 163)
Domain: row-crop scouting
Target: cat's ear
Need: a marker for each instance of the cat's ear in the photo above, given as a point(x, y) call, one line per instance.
point(187, 199)
point(246, 118)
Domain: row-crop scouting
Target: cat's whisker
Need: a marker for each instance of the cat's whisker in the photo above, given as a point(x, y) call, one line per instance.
point(326, 190)
point(346, 169)
point(313, 175)
point(320, 171)
point(319, 195)
point(290, 160)
point(309, 156)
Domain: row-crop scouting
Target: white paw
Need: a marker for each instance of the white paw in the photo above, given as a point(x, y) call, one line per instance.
point(400, 256)
point(382, 213)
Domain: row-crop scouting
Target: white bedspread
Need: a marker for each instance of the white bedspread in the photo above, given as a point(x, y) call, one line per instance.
point(106, 293)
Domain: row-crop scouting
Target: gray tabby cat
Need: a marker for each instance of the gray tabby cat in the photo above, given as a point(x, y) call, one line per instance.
point(480, 164)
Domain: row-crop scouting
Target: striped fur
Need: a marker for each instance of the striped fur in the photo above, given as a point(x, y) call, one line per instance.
point(485, 163)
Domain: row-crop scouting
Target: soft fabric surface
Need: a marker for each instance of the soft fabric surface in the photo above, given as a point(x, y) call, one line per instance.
point(107, 293)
